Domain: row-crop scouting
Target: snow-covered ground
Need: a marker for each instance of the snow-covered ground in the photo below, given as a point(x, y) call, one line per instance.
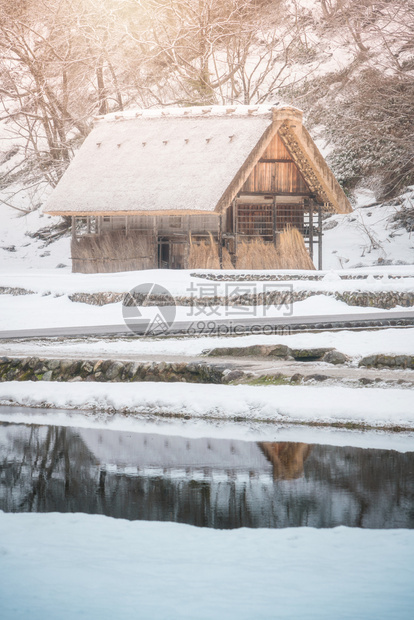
point(373, 407)
point(182, 282)
point(196, 428)
point(36, 311)
point(368, 236)
point(63, 566)
point(355, 344)
point(18, 251)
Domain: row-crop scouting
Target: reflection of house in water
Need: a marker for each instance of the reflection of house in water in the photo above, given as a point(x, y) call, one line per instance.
point(287, 458)
point(207, 482)
point(154, 454)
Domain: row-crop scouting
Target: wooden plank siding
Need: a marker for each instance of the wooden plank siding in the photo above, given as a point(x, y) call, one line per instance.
point(166, 224)
point(276, 178)
point(276, 172)
point(276, 150)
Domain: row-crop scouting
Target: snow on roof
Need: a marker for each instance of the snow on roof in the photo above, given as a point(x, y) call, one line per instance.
point(160, 160)
point(194, 160)
point(195, 111)
point(150, 450)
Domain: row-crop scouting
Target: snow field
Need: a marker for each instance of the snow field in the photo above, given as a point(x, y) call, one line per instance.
point(368, 236)
point(63, 566)
point(324, 404)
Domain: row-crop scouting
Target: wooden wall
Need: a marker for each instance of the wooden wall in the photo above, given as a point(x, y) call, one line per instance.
point(276, 172)
point(163, 224)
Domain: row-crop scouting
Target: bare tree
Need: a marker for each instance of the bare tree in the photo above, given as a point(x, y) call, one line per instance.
point(220, 51)
point(367, 106)
point(61, 63)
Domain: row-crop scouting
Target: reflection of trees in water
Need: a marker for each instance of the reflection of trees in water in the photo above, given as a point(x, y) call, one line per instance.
point(42, 468)
point(375, 488)
point(51, 469)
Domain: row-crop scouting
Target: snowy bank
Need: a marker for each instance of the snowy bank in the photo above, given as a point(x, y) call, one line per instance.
point(37, 312)
point(182, 282)
point(216, 429)
point(328, 405)
point(62, 566)
point(352, 343)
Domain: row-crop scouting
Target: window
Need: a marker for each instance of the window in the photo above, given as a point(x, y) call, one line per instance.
point(86, 226)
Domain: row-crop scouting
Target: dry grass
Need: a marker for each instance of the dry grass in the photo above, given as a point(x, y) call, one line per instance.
point(116, 251)
point(112, 252)
point(257, 254)
point(292, 250)
point(204, 254)
point(290, 253)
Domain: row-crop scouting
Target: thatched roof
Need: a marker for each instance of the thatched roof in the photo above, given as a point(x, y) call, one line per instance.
point(174, 160)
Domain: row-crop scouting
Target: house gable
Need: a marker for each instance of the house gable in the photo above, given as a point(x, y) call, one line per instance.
point(276, 173)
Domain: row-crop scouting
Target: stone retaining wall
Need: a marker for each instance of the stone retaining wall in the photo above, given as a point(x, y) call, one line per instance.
point(38, 369)
point(369, 299)
point(282, 352)
point(251, 277)
point(382, 299)
point(387, 361)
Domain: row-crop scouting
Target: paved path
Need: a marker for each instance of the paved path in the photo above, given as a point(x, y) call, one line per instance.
point(229, 326)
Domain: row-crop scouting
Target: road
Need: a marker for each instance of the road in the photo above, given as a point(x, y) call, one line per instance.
point(229, 326)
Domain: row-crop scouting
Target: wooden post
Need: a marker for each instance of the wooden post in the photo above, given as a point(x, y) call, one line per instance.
point(319, 237)
point(156, 245)
point(235, 231)
point(73, 228)
point(311, 228)
point(274, 220)
point(220, 241)
point(187, 248)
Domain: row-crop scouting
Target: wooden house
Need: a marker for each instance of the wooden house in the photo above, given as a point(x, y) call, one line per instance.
point(146, 183)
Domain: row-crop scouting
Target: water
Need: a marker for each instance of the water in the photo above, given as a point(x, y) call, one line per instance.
point(217, 483)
